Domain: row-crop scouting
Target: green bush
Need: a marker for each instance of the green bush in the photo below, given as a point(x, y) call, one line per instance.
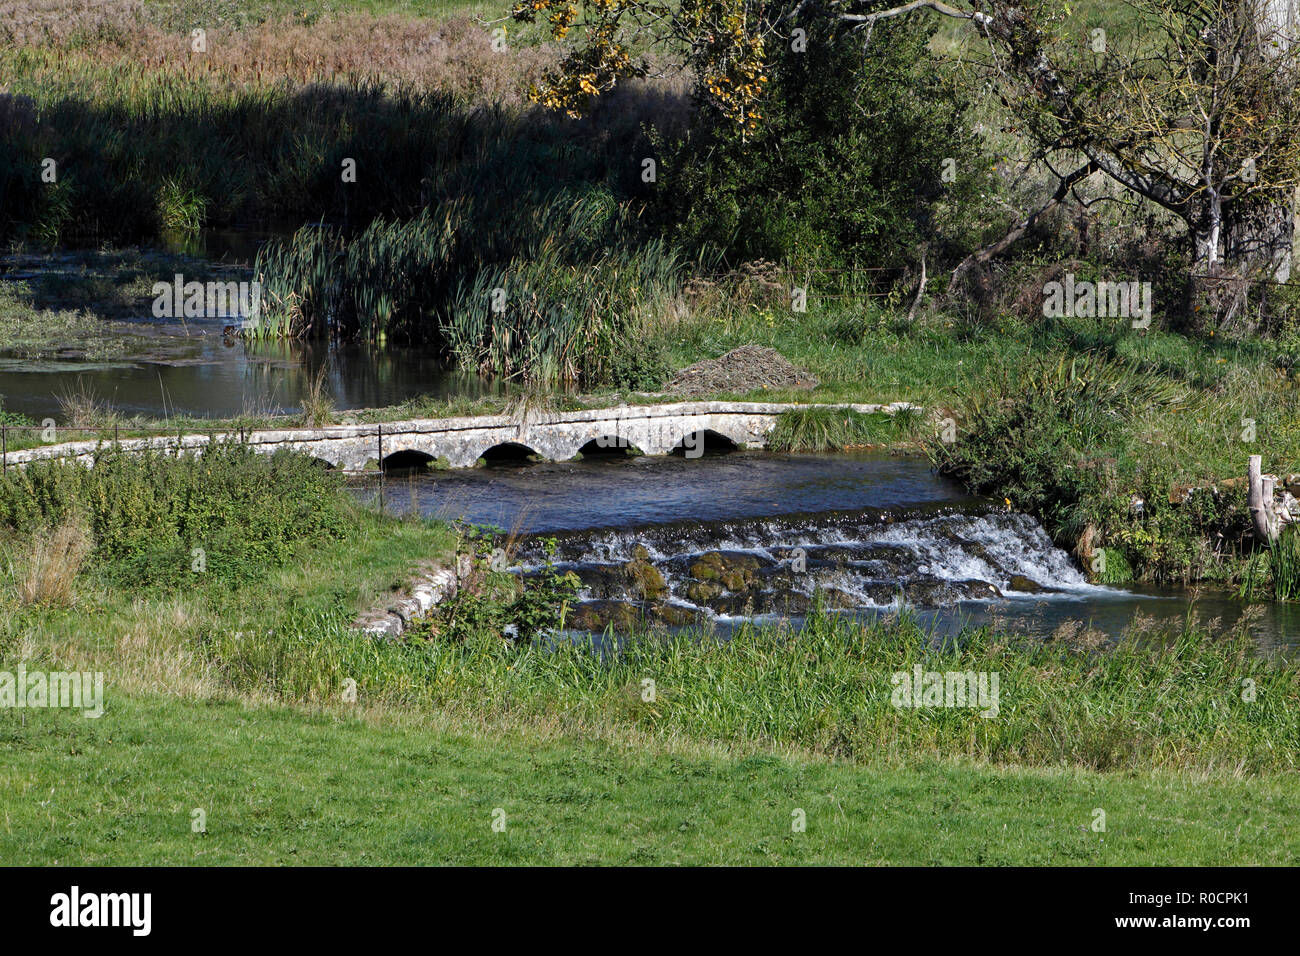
point(1041, 436)
point(148, 512)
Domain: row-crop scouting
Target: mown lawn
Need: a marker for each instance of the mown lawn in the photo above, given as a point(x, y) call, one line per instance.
point(280, 786)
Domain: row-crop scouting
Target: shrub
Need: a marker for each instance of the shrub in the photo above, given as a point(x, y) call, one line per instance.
point(147, 513)
point(1036, 436)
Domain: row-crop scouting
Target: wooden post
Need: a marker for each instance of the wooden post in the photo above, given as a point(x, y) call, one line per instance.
point(1260, 498)
point(4, 450)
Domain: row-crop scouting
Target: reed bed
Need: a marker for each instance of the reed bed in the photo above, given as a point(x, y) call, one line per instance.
point(143, 150)
point(556, 295)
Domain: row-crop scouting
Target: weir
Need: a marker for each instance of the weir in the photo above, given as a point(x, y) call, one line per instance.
point(461, 442)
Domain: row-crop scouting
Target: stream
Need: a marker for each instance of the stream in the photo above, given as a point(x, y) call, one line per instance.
point(749, 535)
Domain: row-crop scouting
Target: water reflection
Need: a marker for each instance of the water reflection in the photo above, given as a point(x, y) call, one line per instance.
point(190, 368)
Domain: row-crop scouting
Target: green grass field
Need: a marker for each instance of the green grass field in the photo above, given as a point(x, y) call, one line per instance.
point(283, 786)
point(226, 694)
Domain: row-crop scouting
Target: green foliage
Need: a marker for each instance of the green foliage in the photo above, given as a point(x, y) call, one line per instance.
point(846, 167)
point(491, 603)
point(147, 512)
point(1114, 567)
point(1284, 558)
point(1273, 572)
point(819, 428)
point(1030, 435)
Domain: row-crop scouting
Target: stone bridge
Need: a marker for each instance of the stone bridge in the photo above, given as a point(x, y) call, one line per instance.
point(462, 442)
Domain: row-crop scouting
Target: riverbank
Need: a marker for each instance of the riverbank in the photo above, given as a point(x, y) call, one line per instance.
point(1127, 444)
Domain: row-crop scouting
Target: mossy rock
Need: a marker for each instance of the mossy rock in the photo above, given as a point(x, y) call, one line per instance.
point(734, 572)
point(702, 592)
point(645, 579)
point(598, 616)
point(674, 615)
point(1018, 582)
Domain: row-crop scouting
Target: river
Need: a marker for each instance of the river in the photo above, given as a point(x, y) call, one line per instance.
point(750, 535)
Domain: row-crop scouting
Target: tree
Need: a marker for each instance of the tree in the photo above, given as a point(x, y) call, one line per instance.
point(1200, 115)
point(841, 169)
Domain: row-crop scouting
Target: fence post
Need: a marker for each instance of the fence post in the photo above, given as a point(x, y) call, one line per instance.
point(4, 450)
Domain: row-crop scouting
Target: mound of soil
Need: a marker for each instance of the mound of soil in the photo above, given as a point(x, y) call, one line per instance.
point(744, 369)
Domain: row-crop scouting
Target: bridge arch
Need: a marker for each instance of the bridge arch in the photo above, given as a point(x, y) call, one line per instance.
point(507, 451)
point(610, 446)
point(407, 459)
point(700, 441)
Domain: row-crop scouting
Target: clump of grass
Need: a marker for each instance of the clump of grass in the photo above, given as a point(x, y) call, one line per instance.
point(822, 428)
point(1275, 570)
point(47, 567)
point(180, 208)
point(1284, 560)
point(83, 408)
point(317, 403)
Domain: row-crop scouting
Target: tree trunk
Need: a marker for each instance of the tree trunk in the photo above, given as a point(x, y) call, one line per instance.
point(1258, 234)
point(1243, 245)
point(1258, 238)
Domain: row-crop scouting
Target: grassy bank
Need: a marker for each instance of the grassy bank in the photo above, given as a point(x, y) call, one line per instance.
point(282, 786)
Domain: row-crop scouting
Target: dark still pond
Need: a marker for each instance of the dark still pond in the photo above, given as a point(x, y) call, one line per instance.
point(166, 368)
point(727, 538)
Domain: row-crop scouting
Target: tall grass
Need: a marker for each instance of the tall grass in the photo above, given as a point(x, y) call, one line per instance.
point(834, 429)
point(555, 295)
point(1274, 571)
point(1284, 557)
point(1170, 701)
point(151, 142)
point(47, 562)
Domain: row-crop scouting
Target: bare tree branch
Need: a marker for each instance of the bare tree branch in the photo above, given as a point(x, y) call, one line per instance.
point(981, 256)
